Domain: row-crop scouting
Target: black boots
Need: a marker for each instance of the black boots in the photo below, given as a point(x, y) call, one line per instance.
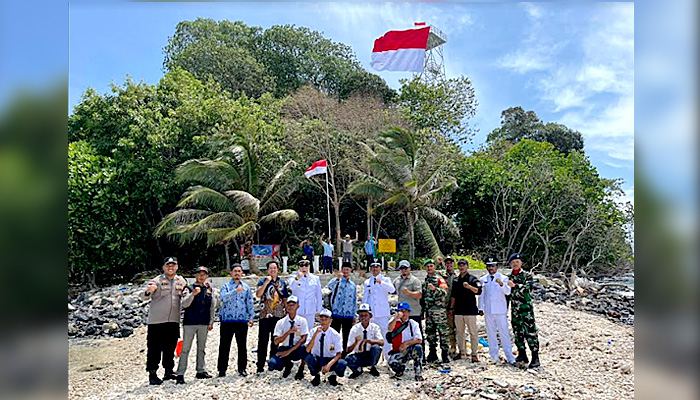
point(432, 355)
point(300, 374)
point(180, 380)
point(522, 356)
point(316, 381)
point(169, 375)
point(373, 371)
point(535, 360)
point(445, 357)
point(333, 380)
point(153, 378)
point(287, 370)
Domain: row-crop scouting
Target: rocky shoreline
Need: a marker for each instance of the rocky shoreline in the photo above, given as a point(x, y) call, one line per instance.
point(116, 311)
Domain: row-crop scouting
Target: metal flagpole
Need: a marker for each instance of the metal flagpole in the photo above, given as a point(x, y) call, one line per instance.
point(328, 202)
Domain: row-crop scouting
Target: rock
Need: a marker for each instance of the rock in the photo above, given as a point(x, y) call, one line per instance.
point(110, 327)
point(500, 383)
point(468, 392)
point(626, 368)
point(71, 307)
point(491, 396)
point(126, 331)
point(72, 329)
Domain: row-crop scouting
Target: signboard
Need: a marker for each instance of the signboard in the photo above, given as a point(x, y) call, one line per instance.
point(262, 254)
point(387, 246)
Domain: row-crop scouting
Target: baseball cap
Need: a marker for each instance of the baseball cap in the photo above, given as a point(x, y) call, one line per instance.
point(347, 236)
point(514, 256)
point(364, 307)
point(325, 313)
point(448, 258)
point(293, 299)
point(490, 261)
point(428, 261)
point(170, 260)
point(200, 269)
point(462, 261)
point(236, 265)
point(403, 306)
point(404, 264)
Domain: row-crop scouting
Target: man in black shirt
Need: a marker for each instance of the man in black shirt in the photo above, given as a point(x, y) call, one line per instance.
point(463, 306)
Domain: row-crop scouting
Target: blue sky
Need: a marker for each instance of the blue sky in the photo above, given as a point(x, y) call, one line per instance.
point(570, 63)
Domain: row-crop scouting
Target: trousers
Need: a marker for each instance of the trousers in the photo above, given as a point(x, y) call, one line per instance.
point(364, 359)
point(161, 340)
point(315, 363)
point(188, 334)
point(469, 322)
point(266, 328)
point(397, 361)
point(277, 363)
point(497, 328)
point(228, 330)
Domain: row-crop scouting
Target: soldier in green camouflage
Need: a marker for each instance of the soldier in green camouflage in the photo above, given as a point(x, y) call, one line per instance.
point(522, 315)
point(450, 277)
point(434, 295)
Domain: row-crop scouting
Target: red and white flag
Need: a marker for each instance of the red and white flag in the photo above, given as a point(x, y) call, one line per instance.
point(401, 50)
point(319, 167)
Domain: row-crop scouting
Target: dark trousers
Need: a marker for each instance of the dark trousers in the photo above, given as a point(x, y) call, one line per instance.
point(228, 329)
point(364, 359)
point(161, 339)
point(369, 260)
point(345, 324)
point(327, 264)
point(265, 335)
point(277, 363)
point(315, 363)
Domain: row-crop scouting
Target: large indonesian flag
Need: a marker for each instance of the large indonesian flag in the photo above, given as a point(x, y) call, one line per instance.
point(319, 167)
point(400, 50)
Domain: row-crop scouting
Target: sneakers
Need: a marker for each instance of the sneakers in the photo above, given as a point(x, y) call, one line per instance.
point(203, 375)
point(354, 375)
point(373, 371)
point(287, 370)
point(333, 380)
point(180, 379)
point(316, 381)
point(153, 378)
point(169, 375)
point(222, 374)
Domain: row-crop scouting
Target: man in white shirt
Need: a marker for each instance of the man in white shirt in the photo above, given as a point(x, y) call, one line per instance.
point(494, 308)
point(406, 342)
point(290, 335)
point(365, 344)
point(327, 259)
point(325, 347)
point(376, 294)
point(307, 287)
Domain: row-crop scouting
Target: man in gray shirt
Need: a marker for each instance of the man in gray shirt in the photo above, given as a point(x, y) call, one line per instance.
point(409, 289)
point(346, 247)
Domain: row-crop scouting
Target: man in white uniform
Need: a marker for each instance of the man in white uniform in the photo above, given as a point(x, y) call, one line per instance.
point(307, 288)
point(365, 344)
point(494, 308)
point(376, 294)
point(325, 347)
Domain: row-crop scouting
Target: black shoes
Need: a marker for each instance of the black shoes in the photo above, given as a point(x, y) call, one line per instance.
point(287, 370)
point(180, 379)
point(355, 374)
point(316, 381)
point(222, 374)
point(432, 356)
point(333, 380)
point(445, 358)
point(522, 356)
point(373, 371)
point(203, 375)
point(242, 373)
point(300, 374)
point(535, 360)
point(169, 375)
point(153, 378)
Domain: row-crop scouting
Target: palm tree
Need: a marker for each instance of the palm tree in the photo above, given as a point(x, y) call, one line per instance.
point(220, 210)
point(408, 174)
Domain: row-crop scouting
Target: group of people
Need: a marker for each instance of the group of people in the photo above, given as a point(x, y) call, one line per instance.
point(347, 244)
point(347, 335)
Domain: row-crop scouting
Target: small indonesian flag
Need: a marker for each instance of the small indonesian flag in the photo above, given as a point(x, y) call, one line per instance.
point(401, 50)
point(319, 167)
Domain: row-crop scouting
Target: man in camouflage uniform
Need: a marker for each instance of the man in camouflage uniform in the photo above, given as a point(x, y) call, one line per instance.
point(434, 295)
point(522, 315)
point(449, 277)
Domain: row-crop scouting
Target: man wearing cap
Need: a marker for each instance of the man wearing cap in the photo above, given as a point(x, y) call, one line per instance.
point(200, 307)
point(434, 295)
point(165, 292)
point(307, 288)
point(273, 292)
point(522, 314)
point(463, 308)
point(343, 302)
point(493, 306)
point(409, 290)
point(290, 335)
point(406, 341)
point(325, 351)
point(449, 277)
point(236, 315)
point(366, 342)
point(346, 247)
point(376, 293)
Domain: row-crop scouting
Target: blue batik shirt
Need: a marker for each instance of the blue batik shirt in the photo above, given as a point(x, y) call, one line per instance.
point(236, 302)
point(344, 301)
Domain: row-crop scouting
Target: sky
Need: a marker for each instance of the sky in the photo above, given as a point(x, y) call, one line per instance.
point(571, 63)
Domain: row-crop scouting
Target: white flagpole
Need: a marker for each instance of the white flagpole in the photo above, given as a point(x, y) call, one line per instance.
point(328, 203)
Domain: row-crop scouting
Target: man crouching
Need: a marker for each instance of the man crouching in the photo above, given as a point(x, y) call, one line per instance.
point(325, 347)
point(406, 343)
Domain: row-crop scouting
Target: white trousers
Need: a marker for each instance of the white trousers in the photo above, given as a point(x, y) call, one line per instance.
point(383, 323)
point(497, 324)
point(310, 318)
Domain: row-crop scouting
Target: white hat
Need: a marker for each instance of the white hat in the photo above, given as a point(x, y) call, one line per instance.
point(404, 263)
point(364, 307)
point(293, 298)
point(325, 313)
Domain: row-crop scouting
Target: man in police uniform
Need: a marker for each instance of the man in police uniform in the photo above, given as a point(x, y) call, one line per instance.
point(325, 348)
point(449, 278)
point(307, 288)
point(376, 293)
point(165, 292)
point(434, 294)
point(366, 342)
point(522, 314)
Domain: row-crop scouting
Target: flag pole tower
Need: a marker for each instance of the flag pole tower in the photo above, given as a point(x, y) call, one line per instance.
point(434, 64)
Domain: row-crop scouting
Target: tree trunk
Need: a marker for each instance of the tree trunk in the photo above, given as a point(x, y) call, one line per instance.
point(336, 206)
point(369, 217)
point(411, 236)
point(228, 258)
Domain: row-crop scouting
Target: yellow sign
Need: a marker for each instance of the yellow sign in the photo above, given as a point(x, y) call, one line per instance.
point(387, 246)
